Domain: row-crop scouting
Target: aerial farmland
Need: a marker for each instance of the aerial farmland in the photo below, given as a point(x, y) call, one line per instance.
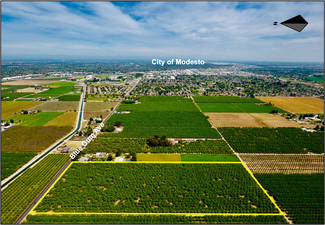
point(189, 158)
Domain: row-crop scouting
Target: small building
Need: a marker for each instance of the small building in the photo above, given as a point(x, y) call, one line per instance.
point(99, 154)
point(84, 159)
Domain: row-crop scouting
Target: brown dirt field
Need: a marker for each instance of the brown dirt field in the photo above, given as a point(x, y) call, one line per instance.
point(58, 106)
point(282, 163)
point(30, 89)
point(275, 120)
point(297, 104)
point(99, 106)
point(74, 144)
point(28, 82)
point(233, 120)
point(88, 115)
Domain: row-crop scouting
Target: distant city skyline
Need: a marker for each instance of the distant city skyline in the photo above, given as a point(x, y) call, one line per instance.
point(211, 31)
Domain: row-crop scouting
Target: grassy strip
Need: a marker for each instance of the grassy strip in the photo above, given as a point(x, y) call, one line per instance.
point(209, 158)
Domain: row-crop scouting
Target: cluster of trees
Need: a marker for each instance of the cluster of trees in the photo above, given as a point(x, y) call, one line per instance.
point(158, 141)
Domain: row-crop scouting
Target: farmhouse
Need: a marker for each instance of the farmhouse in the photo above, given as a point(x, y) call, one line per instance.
point(99, 154)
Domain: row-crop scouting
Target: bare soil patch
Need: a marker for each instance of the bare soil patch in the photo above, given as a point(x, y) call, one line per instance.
point(28, 82)
point(272, 120)
point(233, 120)
point(29, 89)
point(297, 104)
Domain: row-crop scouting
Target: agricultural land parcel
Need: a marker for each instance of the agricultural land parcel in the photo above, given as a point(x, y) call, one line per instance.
point(58, 106)
point(284, 163)
point(21, 192)
point(12, 96)
point(140, 146)
point(144, 122)
point(219, 188)
point(95, 109)
point(297, 104)
point(12, 88)
point(237, 108)
point(148, 219)
point(9, 108)
point(250, 120)
point(70, 97)
point(300, 196)
point(62, 83)
point(10, 162)
point(54, 92)
point(225, 99)
point(28, 82)
point(31, 138)
point(273, 140)
point(66, 119)
point(38, 119)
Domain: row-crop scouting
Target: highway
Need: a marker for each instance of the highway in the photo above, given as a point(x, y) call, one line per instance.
point(43, 154)
point(34, 202)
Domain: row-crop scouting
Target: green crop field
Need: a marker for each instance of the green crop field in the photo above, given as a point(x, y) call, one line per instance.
point(273, 140)
point(54, 92)
point(71, 97)
point(11, 88)
point(301, 196)
point(20, 193)
point(254, 108)
point(209, 158)
point(164, 99)
point(225, 99)
point(147, 219)
point(317, 79)
point(237, 108)
point(12, 96)
point(168, 123)
point(62, 83)
point(11, 162)
point(38, 119)
point(128, 145)
point(31, 138)
point(219, 107)
point(157, 188)
point(160, 106)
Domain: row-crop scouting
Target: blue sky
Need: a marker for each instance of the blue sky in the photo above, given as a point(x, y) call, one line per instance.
point(138, 30)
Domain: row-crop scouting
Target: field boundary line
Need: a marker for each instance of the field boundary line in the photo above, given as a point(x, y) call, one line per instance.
point(166, 162)
point(51, 186)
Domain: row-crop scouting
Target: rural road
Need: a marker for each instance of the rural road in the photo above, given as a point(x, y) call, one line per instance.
point(34, 202)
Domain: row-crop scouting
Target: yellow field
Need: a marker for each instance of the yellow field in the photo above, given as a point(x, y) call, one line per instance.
point(271, 120)
point(88, 115)
point(10, 107)
point(66, 119)
point(74, 144)
point(28, 82)
point(297, 104)
point(159, 157)
point(233, 120)
point(99, 106)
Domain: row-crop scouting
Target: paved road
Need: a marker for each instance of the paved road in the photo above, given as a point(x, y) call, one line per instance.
point(30, 207)
point(42, 155)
